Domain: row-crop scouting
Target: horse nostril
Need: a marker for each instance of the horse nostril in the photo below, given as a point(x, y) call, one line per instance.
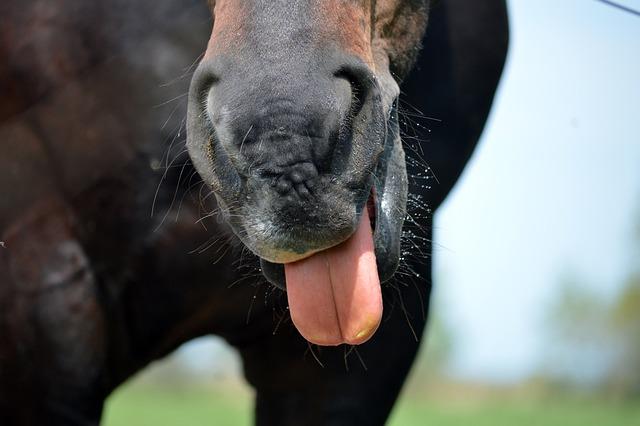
point(360, 79)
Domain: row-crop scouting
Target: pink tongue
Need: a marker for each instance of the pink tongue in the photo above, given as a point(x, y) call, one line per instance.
point(334, 295)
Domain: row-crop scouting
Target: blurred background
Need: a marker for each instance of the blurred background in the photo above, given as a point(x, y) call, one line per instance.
point(536, 309)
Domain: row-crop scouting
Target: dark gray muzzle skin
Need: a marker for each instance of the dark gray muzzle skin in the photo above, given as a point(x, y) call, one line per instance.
point(390, 186)
point(294, 145)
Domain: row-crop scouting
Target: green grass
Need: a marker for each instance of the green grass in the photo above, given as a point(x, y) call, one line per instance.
point(153, 406)
point(145, 406)
point(533, 413)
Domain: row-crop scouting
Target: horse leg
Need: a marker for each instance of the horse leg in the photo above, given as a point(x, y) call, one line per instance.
point(299, 383)
point(52, 344)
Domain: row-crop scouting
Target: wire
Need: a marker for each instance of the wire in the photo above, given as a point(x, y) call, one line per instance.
point(621, 7)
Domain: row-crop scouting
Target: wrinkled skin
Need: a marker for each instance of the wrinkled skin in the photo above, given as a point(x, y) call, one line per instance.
point(92, 289)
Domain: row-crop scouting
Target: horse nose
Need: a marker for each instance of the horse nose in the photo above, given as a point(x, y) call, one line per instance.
point(282, 114)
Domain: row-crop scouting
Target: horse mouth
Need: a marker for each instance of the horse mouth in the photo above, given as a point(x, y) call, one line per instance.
point(335, 295)
point(302, 240)
point(335, 292)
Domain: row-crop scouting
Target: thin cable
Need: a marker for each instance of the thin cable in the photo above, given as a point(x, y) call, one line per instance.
point(621, 7)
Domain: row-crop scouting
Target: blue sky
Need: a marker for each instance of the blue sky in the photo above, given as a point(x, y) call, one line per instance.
point(553, 189)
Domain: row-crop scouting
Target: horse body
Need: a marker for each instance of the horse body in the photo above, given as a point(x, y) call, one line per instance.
point(92, 289)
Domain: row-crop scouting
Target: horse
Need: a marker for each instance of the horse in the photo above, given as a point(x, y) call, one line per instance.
point(294, 219)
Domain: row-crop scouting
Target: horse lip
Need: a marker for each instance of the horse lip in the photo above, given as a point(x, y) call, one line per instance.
point(274, 272)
